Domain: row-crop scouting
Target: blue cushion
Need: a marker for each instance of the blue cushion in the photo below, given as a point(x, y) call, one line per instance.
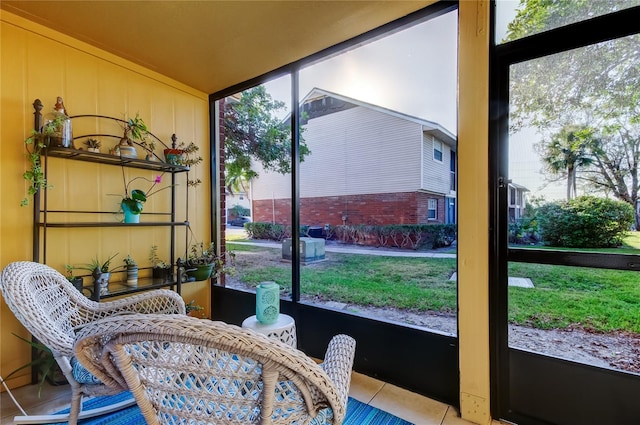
point(81, 374)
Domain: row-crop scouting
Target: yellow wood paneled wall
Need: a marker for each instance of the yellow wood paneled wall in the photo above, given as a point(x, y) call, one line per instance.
point(473, 211)
point(37, 62)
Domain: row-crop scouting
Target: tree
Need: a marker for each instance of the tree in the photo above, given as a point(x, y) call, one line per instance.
point(252, 133)
point(596, 85)
point(566, 152)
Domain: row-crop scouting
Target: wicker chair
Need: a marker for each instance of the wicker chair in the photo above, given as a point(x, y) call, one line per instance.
point(184, 370)
point(53, 310)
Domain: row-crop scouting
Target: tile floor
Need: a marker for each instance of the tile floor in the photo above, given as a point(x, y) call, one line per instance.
point(402, 403)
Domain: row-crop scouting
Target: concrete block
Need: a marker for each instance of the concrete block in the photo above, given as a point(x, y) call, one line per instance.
point(311, 249)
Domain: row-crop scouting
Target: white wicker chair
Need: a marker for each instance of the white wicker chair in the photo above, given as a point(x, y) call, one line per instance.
point(184, 370)
point(53, 310)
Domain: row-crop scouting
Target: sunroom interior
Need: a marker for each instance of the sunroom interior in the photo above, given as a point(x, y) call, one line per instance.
point(174, 62)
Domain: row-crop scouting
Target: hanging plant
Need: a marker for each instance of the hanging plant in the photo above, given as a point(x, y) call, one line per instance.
point(35, 144)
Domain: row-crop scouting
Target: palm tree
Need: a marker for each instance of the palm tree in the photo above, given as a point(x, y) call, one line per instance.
point(567, 151)
point(238, 179)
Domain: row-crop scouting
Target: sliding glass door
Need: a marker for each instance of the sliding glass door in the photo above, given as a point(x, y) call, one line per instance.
point(566, 139)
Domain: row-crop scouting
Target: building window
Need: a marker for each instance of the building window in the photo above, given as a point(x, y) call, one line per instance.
point(452, 168)
point(513, 200)
point(432, 207)
point(437, 150)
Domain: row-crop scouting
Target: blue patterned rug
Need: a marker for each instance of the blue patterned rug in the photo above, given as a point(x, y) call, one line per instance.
point(358, 413)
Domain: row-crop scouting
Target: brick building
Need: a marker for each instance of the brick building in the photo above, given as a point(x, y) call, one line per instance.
point(367, 165)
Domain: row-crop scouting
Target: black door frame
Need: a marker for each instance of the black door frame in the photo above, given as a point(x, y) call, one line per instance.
point(530, 388)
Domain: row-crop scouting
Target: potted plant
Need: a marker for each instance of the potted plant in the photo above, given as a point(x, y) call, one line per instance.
point(160, 269)
point(101, 273)
point(201, 261)
point(149, 147)
point(135, 130)
point(132, 271)
point(47, 365)
point(134, 200)
point(192, 309)
point(75, 280)
point(58, 125)
point(93, 145)
point(190, 159)
point(185, 155)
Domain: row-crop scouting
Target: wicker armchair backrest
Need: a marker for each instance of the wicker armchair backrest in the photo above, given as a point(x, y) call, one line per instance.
point(183, 367)
point(46, 303)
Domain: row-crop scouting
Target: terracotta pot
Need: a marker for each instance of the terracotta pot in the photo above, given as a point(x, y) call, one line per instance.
point(174, 156)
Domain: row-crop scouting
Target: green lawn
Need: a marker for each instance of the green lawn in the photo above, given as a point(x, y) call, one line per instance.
point(563, 297)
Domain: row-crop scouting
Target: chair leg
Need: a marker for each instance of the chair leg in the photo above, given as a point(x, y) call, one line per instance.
point(75, 407)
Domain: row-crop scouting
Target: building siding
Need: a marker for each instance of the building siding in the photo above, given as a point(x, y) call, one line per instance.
point(365, 166)
point(436, 175)
point(353, 152)
point(373, 209)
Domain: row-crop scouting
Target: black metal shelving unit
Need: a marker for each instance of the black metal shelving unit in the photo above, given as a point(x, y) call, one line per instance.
point(46, 220)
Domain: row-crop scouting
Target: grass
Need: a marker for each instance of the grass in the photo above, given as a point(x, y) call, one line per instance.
point(408, 283)
point(564, 297)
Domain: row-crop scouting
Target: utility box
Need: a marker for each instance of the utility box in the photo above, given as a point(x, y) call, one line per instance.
point(311, 249)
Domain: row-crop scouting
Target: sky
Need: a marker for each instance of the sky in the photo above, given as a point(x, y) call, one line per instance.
point(414, 71)
point(387, 72)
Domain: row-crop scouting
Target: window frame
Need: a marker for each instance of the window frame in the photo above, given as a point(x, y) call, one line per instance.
point(438, 151)
point(434, 209)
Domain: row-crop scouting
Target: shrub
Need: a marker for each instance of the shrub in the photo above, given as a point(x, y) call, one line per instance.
point(239, 210)
point(445, 234)
point(524, 231)
point(585, 222)
point(408, 236)
point(261, 230)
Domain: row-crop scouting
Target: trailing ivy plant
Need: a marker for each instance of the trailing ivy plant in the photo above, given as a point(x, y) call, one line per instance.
point(35, 144)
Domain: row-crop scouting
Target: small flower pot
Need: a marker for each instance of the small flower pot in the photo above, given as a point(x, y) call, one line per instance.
point(129, 216)
point(202, 272)
point(174, 156)
point(126, 150)
point(102, 283)
point(162, 274)
point(77, 283)
point(132, 276)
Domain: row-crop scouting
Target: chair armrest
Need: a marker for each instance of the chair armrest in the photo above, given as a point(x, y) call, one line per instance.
point(338, 362)
point(160, 301)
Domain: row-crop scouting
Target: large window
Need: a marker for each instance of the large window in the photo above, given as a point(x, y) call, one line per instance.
point(256, 139)
point(574, 127)
point(364, 187)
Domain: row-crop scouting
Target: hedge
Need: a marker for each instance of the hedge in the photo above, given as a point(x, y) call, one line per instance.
point(406, 236)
